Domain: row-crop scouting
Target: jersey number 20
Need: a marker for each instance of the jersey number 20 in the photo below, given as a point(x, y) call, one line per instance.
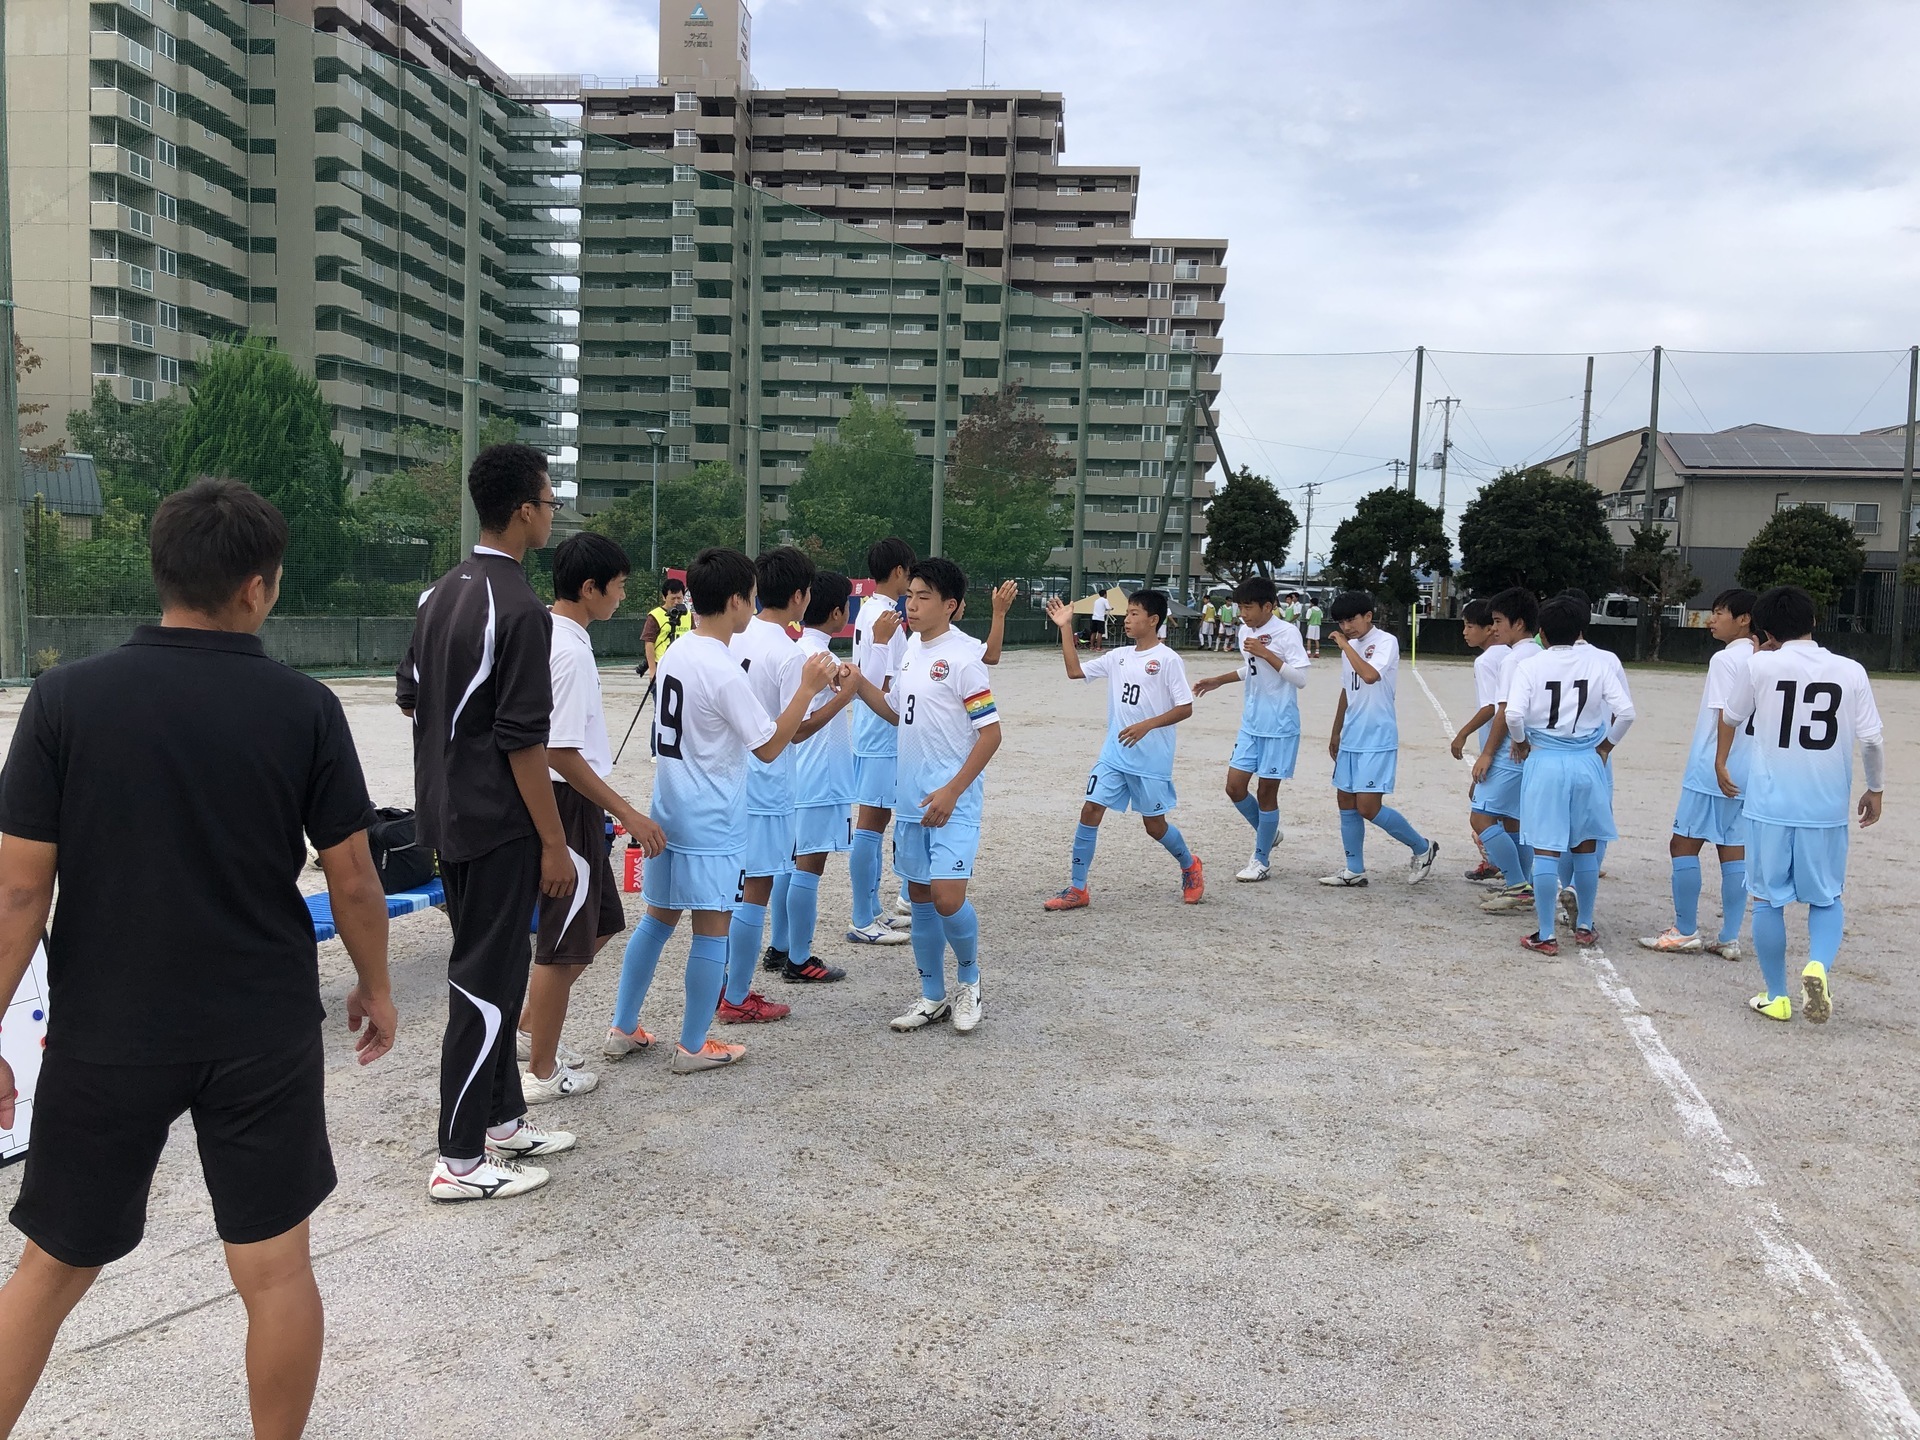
point(1129, 694)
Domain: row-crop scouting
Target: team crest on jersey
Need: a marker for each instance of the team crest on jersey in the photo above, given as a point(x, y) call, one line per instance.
point(938, 671)
point(1367, 654)
point(1153, 667)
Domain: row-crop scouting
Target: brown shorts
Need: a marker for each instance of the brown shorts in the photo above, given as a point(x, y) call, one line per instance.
point(572, 927)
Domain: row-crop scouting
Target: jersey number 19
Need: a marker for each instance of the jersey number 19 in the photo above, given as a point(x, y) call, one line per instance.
point(673, 702)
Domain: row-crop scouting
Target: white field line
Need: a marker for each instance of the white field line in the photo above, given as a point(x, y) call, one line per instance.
point(1856, 1360)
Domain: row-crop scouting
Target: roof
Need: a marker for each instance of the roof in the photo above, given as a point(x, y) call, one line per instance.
point(1761, 447)
point(69, 485)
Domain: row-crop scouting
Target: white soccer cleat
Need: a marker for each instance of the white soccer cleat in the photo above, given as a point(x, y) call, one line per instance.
point(557, 1086)
point(903, 907)
point(1671, 942)
point(966, 1007)
point(529, 1142)
point(1253, 870)
point(924, 1012)
point(878, 934)
point(1346, 879)
point(1725, 949)
point(571, 1058)
point(1511, 897)
point(492, 1179)
point(620, 1044)
point(1421, 866)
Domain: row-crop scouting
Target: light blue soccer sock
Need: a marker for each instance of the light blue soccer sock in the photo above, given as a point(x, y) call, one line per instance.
point(1770, 945)
point(1176, 846)
point(706, 974)
point(1563, 870)
point(1824, 924)
point(1395, 824)
point(930, 950)
point(778, 934)
point(1353, 839)
point(1503, 854)
point(1586, 887)
point(1085, 837)
point(864, 867)
point(803, 913)
point(1546, 893)
point(1600, 849)
point(1263, 834)
point(962, 930)
point(1733, 898)
point(1526, 854)
point(1249, 809)
point(743, 949)
point(649, 938)
point(1686, 893)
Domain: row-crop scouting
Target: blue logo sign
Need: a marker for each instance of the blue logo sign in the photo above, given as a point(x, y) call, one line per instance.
point(699, 13)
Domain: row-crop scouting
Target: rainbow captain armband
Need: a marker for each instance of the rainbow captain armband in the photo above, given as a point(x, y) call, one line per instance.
point(980, 708)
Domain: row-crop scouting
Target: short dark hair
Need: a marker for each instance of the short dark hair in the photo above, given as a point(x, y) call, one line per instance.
point(1256, 590)
point(888, 555)
point(830, 593)
point(1478, 612)
point(671, 583)
point(208, 540)
point(1520, 605)
point(784, 572)
point(715, 576)
point(1154, 602)
point(1574, 592)
point(1349, 604)
point(1786, 612)
point(942, 576)
point(503, 478)
point(1736, 602)
point(585, 557)
point(1562, 619)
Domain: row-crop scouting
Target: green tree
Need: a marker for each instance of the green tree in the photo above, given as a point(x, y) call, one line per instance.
point(696, 511)
point(27, 413)
point(1003, 518)
point(1655, 571)
point(1384, 545)
point(108, 574)
point(861, 486)
point(1249, 528)
point(256, 418)
point(1538, 529)
point(1805, 546)
point(129, 444)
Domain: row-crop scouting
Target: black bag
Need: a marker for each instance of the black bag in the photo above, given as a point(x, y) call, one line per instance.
point(403, 863)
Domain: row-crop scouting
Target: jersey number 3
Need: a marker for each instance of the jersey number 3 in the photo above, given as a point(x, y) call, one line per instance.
point(1827, 716)
point(668, 716)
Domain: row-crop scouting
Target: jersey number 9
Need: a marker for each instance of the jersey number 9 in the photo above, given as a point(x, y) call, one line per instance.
point(667, 716)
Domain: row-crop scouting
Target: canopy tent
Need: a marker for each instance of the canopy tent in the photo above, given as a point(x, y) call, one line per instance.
point(1116, 597)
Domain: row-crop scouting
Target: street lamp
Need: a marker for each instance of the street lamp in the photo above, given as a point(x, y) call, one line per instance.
point(656, 435)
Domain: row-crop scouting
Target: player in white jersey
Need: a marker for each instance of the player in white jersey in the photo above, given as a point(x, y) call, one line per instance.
point(1705, 814)
point(823, 787)
point(1147, 695)
point(1803, 708)
point(949, 729)
point(707, 724)
point(1365, 744)
point(879, 645)
point(1489, 661)
point(1496, 774)
point(1274, 668)
point(1566, 711)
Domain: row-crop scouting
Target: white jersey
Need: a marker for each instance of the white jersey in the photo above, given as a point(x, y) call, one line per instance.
point(1489, 671)
point(1571, 693)
point(1372, 723)
point(943, 696)
point(880, 664)
point(1804, 708)
point(771, 660)
point(1723, 675)
point(823, 763)
point(579, 718)
point(1141, 684)
point(1271, 707)
point(705, 720)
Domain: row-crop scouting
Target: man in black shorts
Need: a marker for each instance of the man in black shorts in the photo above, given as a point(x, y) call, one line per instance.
point(186, 983)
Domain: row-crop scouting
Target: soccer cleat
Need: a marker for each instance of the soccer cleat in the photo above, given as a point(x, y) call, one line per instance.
point(1346, 879)
point(620, 1044)
point(966, 1007)
point(1725, 949)
point(756, 1009)
point(924, 1012)
point(1193, 883)
point(1778, 1008)
point(902, 906)
point(1421, 866)
point(896, 922)
point(1569, 906)
point(774, 960)
point(557, 1086)
point(491, 1179)
point(1251, 871)
point(1585, 935)
point(563, 1052)
point(1067, 899)
point(1817, 1004)
point(1486, 870)
point(1513, 897)
point(529, 1142)
point(711, 1056)
point(814, 972)
point(876, 934)
point(1671, 942)
point(1534, 943)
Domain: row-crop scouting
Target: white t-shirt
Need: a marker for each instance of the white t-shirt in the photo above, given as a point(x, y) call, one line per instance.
point(705, 721)
point(1141, 684)
point(1489, 669)
point(1372, 722)
point(1101, 609)
point(879, 663)
point(579, 721)
point(1807, 707)
point(943, 695)
point(1570, 692)
point(1271, 707)
point(823, 763)
point(1723, 675)
point(771, 661)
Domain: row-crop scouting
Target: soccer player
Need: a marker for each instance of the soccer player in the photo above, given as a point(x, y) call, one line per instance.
point(823, 786)
point(1476, 628)
point(949, 730)
point(1566, 712)
point(1315, 616)
point(707, 722)
point(1705, 814)
point(1804, 708)
point(1268, 744)
point(1207, 617)
point(1496, 775)
point(1365, 744)
point(1102, 608)
point(1227, 625)
point(879, 645)
point(1147, 695)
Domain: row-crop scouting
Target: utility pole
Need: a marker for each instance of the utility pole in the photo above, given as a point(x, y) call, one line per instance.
point(13, 546)
point(1150, 571)
point(1446, 449)
point(1191, 443)
point(1080, 461)
point(469, 329)
point(756, 404)
point(1586, 425)
point(1413, 446)
point(1397, 466)
point(1898, 659)
point(1306, 544)
point(1643, 633)
point(939, 426)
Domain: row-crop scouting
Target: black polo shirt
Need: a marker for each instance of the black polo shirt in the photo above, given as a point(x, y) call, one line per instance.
point(178, 775)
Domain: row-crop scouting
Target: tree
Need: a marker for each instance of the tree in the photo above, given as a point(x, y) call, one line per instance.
point(1656, 572)
point(1386, 543)
point(1249, 528)
point(256, 418)
point(859, 487)
point(1003, 517)
point(700, 510)
point(26, 360)
point(1537, 529)
point(1805, 546)
point(129, 445)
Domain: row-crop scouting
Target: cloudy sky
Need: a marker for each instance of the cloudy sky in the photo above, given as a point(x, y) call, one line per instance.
point(1534, 176)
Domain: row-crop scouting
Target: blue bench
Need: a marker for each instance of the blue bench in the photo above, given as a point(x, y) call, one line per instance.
point(405, 903)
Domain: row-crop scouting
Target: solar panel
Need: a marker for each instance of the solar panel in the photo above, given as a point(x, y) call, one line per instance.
point(1762, 449)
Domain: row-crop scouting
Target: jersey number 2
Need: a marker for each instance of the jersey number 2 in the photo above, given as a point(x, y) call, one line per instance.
point(673, 704)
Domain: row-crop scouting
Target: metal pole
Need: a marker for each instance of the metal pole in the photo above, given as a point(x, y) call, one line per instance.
point(13, 550)
point(1586, 424)
point(1446, 449)
point(1152, 568)
point(1306, 544)
point(1413, 445)
point(470, 329)
point(939, 515)
point(653, 551)
point(756, 403)
point(1192, 444)
point(1080, 461)
point(1643, 632)
point(1898, 659)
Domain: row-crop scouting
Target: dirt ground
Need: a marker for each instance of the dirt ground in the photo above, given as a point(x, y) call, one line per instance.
point(1333, 1163)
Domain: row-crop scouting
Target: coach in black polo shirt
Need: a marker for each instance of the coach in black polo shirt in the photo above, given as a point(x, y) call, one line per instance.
point(183, 977)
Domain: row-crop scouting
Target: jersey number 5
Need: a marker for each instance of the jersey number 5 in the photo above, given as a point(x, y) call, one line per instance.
point(673, 704)
point(1827, 717)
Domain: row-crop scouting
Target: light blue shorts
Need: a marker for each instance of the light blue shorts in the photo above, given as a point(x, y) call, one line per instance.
point(1268, 757)
point(1804, 863)
point(769, 844)
point(927, 855)
point(1122, 790)
point(1366, 772)
point(1499, 793)
point(675, 880)
point(822, 829)
point(1566, 799)
point(873, 780)
point(1717, 819)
